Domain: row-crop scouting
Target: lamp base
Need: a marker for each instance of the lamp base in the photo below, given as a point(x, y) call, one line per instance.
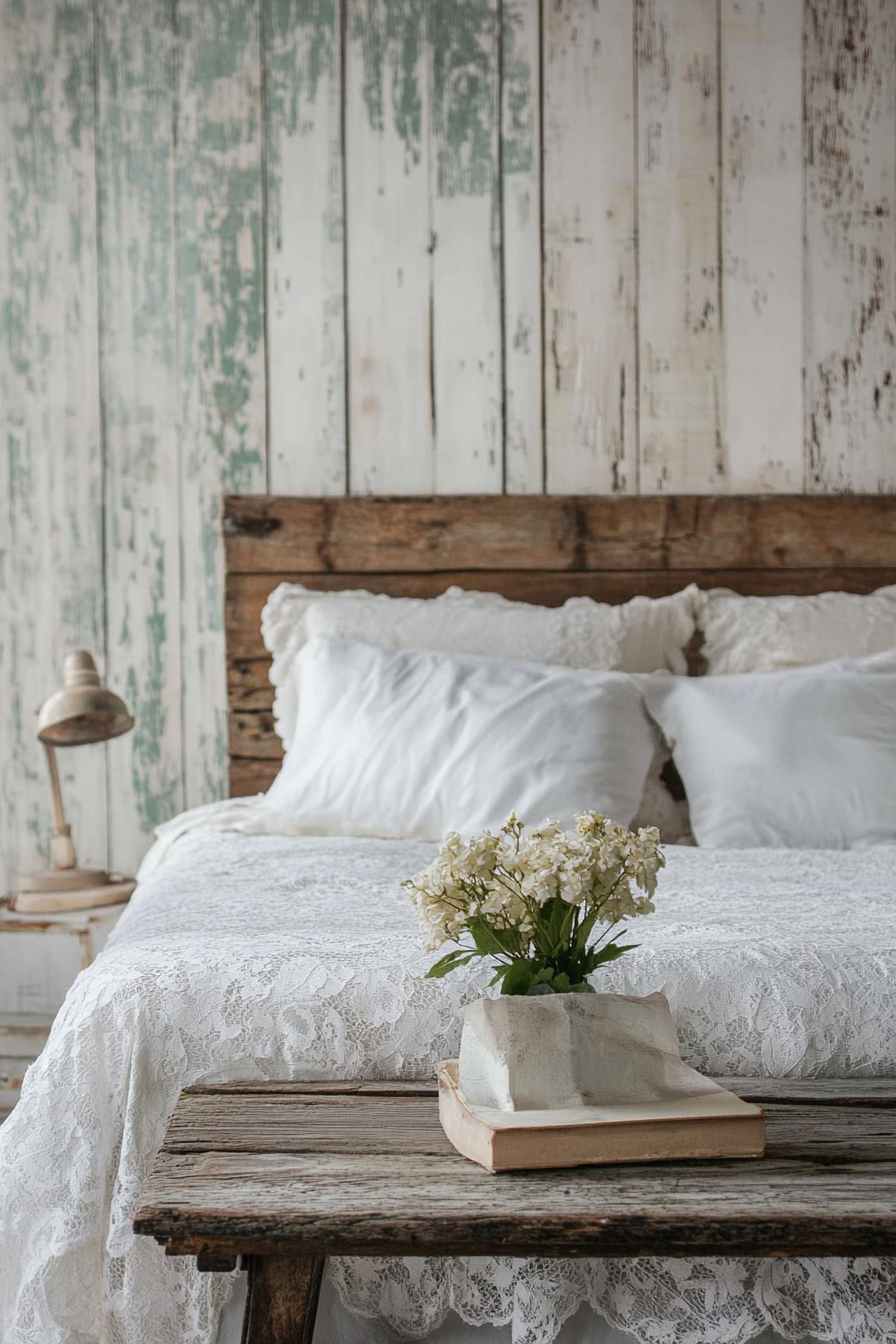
point(61, 879)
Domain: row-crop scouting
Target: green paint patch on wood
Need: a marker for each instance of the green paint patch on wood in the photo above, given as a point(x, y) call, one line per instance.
point(392, 37)
point(300, 54)
point(463, 39)
point(300, 38)
point(518, 129)
point(222, 302)
point(156, 780)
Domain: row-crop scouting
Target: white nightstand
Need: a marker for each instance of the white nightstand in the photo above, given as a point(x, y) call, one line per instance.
point(40, 955)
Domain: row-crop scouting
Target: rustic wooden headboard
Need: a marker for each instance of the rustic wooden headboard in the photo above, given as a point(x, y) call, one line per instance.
point(537, 548)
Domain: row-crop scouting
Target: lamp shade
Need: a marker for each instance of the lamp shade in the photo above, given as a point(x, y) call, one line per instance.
point(83, 710)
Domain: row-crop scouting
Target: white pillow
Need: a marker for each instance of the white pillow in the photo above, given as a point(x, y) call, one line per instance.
point(642, 635)
point(802, 759)
point(767, 634)
point(411, 744)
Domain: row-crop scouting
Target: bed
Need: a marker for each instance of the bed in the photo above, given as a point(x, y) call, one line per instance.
point(247, 955)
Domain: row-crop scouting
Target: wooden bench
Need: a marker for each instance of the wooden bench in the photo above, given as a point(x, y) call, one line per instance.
point(286, 1174)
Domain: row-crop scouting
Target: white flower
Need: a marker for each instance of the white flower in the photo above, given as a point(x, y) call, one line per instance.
point(507, 878)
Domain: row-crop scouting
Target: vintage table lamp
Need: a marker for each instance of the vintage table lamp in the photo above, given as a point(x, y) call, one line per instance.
point(81, 712)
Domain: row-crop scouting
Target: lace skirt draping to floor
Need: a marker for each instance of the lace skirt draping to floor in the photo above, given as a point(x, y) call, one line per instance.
point(283, 957)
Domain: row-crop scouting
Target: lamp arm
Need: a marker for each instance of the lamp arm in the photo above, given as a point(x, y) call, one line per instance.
point(62, 849)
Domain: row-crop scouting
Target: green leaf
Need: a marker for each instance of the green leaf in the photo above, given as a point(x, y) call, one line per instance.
point(610, 953)
point(449, 962)
point(490, 942)
point(584, 931)
point(518, 978)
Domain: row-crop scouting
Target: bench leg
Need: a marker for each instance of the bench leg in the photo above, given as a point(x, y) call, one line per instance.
point(282, 1298)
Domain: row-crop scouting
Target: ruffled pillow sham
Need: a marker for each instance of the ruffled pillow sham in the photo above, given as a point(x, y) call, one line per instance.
point(769, 634)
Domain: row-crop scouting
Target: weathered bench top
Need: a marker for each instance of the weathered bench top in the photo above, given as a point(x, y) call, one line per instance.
point(308, 1170)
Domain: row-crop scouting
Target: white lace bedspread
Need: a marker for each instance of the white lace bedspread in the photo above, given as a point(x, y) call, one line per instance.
point(275, 957)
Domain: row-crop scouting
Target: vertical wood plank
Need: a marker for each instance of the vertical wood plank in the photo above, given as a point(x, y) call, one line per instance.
point(850, 334)
point(304, 191)
point(51, 597)
point(221, 341)
point(589, 228)
point(388, 247)
point(462, 42)
point(521, 241)
point(138, 351)
point(681, 384)
point(762, 243)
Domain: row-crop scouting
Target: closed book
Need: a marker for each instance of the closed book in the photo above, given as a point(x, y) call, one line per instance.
point(713, 1124)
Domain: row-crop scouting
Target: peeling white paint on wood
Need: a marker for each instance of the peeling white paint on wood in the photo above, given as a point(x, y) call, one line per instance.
point(305, 299)
point(463, 54)
point(589, 262)
point(762, 243)
point(521, 238)
point(220, 306)
point(679, 312)
point(51, 583)
point(138, 350)
point(388, 247)
point(850, 330)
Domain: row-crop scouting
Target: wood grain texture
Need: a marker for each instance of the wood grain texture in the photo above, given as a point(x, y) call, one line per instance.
point(302, 56)
point(51, 507)
point(275, 535)
point(248, 777)
point(389, 1087)
point(141, 407)
point(369, 1205)
point(850, 328)
point(389, 239)
point(282, 1299)
point(320, 1172)
point(762, 243)
point(220, 340)
point(521, 241)
point(589, 252)
point(682, 446)
point(876, 1092)
point(553, 548)
point(296, 1123)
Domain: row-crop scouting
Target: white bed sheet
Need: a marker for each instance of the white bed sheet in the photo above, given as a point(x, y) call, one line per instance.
point(284, 957)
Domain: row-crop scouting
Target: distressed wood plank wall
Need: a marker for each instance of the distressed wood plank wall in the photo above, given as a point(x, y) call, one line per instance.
point(402, 246)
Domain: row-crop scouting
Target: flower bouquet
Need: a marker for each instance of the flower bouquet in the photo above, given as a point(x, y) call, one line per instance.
point(532, 899)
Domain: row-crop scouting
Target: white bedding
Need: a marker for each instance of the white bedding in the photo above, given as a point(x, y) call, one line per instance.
point(285, 957)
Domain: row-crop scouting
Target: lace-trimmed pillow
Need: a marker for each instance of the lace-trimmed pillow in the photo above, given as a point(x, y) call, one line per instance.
point(642, 635)
point(770, 634)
